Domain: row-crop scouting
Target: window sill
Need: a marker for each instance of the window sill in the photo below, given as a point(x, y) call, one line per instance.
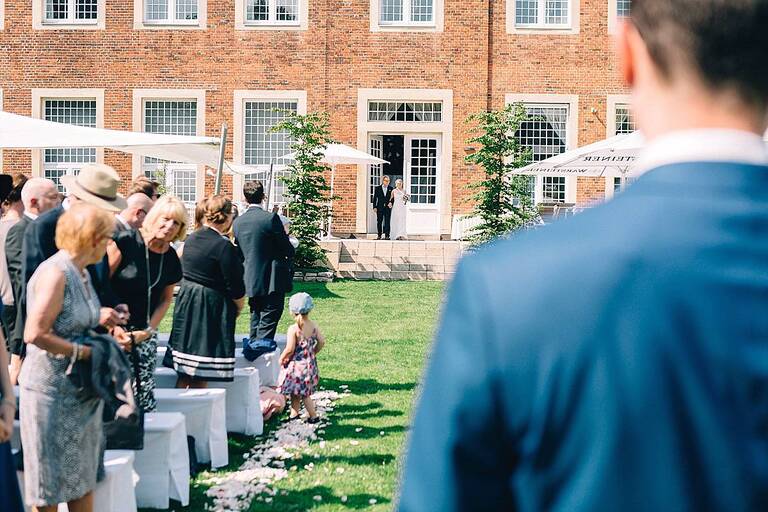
point(47, 25)
point(272, 26)
point(143, 25)
point(404, 27)
point(538, 29)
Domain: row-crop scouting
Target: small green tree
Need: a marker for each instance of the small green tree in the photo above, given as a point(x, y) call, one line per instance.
point(502, 200)
point(306, 189)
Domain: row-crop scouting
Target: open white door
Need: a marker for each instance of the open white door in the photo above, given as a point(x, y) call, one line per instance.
point(422, 178)
point(375, 148)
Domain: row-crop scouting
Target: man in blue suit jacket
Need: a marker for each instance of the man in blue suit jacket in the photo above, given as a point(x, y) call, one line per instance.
point(618, 361)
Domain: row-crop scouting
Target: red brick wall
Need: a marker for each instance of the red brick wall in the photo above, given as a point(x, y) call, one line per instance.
point(332, 59)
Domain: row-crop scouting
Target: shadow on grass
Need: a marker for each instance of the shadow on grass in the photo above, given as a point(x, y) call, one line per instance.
point(367, 386)
point(305, 499)
point(316, 290)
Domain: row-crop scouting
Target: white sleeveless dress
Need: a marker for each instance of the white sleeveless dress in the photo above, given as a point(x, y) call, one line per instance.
point(397, 220)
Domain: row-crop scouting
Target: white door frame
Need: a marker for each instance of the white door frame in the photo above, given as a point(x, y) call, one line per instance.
point(371, 216)
point(423, 219)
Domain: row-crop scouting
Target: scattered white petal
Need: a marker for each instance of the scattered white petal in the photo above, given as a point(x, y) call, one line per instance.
point(339, 470)
point(381, 433)
point(372, 501)
point(343, 499)
point(317, 498)
point(354, 442)
point(268, 499)
point(359, 429)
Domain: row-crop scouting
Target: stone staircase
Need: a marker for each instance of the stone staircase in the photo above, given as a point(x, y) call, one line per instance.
point(393, 260)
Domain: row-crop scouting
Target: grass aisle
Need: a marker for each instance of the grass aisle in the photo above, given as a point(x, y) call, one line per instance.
point(378, 334)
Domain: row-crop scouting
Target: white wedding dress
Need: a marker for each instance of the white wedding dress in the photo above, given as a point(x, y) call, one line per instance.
point(397, 220)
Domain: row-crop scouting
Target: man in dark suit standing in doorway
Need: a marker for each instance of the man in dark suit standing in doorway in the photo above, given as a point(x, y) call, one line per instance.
point(382, 203)
point(267, 251)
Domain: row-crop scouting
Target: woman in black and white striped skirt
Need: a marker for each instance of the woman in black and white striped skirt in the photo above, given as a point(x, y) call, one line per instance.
point(202, 342)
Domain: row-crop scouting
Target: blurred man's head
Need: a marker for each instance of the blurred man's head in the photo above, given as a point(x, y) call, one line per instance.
point(39, 195)
point(696, 64)
point(139, 205)
point(253, 191)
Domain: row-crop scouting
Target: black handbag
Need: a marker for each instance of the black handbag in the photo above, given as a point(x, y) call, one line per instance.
point(127, 433)
point(281, 276)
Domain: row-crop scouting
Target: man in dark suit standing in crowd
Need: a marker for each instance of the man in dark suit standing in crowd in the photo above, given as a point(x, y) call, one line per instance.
point(382, 203)
point(267, 251)
point(645, 387)
point(38, 196)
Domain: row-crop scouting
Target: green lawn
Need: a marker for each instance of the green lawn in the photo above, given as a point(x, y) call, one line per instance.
point(378, 335)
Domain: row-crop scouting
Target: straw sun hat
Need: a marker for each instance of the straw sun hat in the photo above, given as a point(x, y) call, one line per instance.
point(97, 185)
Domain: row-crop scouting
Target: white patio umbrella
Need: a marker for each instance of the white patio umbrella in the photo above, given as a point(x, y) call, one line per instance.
point(612, 157)
point(340, 154)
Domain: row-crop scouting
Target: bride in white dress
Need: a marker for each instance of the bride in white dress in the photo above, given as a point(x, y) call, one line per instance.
point(397, 220)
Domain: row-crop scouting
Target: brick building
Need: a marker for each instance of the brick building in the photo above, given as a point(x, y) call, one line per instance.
point(398, 77)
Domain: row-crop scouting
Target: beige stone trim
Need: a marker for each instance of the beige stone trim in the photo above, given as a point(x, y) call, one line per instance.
point(39, 24)
point(443, 128)
point(238, 120)
point(2, 14)
point(438, 24)
point(610, 113)
point(571, 135)
point(240, 23)
point(572, 28)
point(141, 95)
point(39, 95)
point(200, 24)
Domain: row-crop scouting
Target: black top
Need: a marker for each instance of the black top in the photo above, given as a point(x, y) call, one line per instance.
point(267, 250)
point(211, 260)
point(380, 199)
point(130, 280)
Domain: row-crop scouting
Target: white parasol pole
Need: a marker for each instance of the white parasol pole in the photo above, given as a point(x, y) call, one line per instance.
point(330, 203)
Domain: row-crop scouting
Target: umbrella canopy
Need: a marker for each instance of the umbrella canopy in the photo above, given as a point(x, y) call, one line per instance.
point(612, 157)
point(21, 132)
point(340, 154)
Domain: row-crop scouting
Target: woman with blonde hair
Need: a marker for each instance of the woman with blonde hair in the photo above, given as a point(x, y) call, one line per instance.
point(61, 428)
point(202, 342)
point(144, 269)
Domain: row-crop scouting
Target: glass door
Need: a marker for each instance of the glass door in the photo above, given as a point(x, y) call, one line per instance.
point(375, 148)
point(422, 175)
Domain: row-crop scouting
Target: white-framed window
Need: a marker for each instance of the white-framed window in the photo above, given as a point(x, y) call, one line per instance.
point(406, 111)
point(271, 14)
point(68, 161)
point(263, 147)
point(553, 189)
point(545, 131)
point(617, 9)
point(623, 121)
point(70, 11)
point(68, 14)
point(172, 116)
point(171, 12)
point(623, 8)
point(407, 12)
point(542, 16)
point(423, 170)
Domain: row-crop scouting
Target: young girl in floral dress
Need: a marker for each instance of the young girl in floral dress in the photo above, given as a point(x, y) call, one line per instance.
point(299, 375)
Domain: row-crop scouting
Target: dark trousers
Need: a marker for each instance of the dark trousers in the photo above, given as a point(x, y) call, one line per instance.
point(8, 318)
point(383, 215)
point(265, 315)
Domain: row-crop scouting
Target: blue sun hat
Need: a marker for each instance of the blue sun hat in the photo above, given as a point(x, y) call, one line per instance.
point(301, 303)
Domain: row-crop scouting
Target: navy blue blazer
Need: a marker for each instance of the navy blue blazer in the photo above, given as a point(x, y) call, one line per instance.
point(263, 242)
point(615, 361)
point(40, 244)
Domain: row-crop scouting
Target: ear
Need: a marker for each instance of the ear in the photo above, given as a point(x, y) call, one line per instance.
point(625, 41)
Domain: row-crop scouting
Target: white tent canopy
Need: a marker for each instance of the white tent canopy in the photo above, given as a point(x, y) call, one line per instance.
point(612, 157)
point(21, 132)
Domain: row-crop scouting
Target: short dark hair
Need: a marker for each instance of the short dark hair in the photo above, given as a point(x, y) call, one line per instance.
point(723, 41)
point(14, 196)
point(253, 191)
point(144, 185)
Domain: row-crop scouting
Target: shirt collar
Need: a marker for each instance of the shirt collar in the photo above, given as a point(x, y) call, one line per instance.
point(254, 206)
point(30, 215)
point(66, 204)
point(122, 221)
point(711, 145)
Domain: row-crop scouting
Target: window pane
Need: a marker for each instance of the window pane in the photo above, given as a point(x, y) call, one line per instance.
point(60, 162)
point(172, 117)
point(257, 10)
point(421, 10)
point(56, 9)
point(156, 10)
point(553, 189)
point(624, 121)
point(391, 10)
point(526, 12)
point(623, 7)
point(545, 130)
point(186, 10)
point(557, 12)
point(405, 111)
point(287, 10)
point(86, 9)
point(423, 188)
